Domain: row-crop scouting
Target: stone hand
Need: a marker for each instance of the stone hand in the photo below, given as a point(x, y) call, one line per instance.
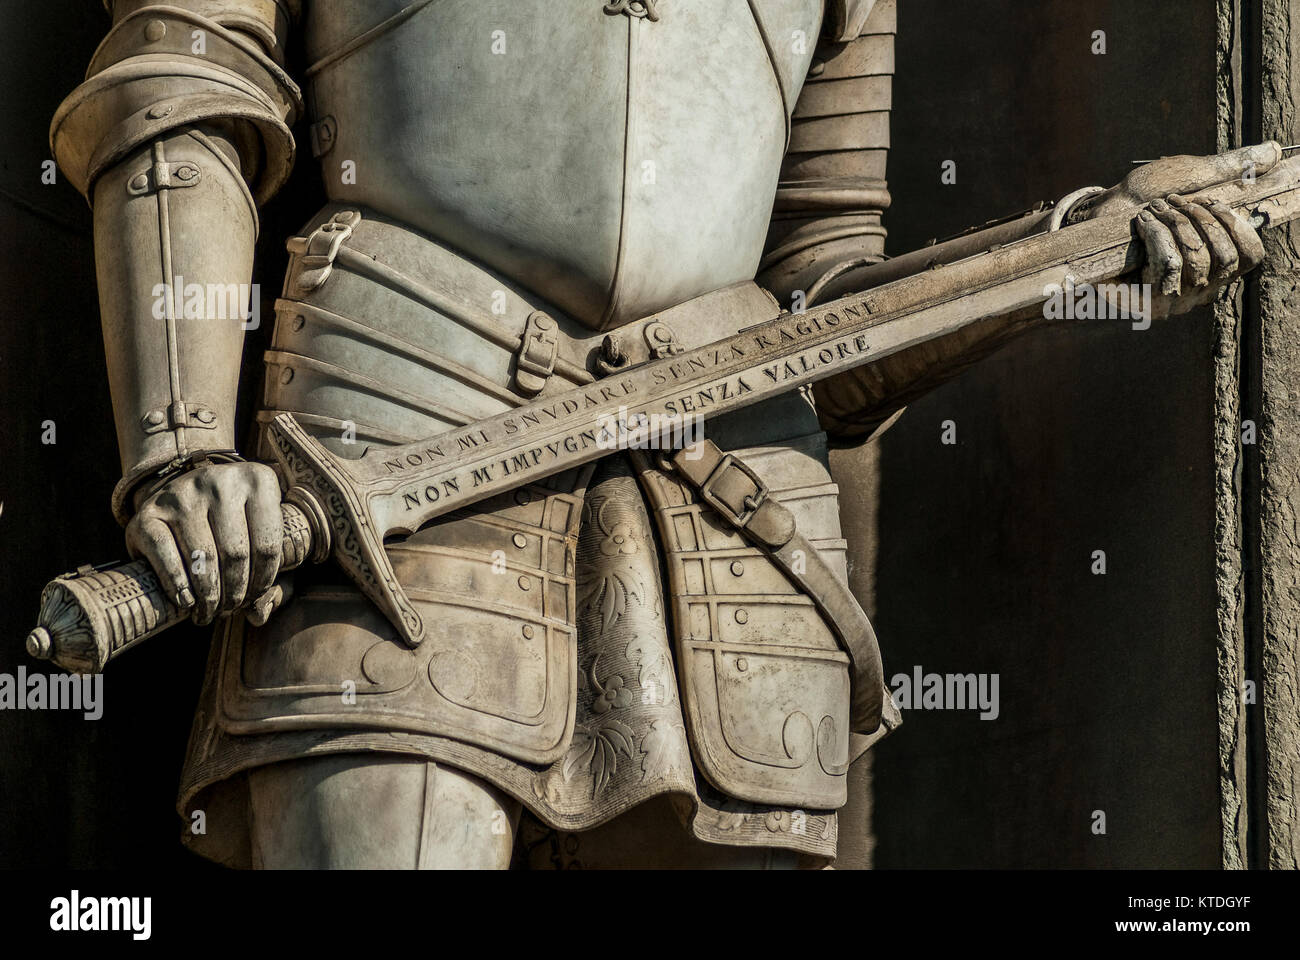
point(213, 536)
point(1193, 250)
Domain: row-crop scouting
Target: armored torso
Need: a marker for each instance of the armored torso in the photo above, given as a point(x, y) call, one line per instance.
point(507, 181)
point(614, 158)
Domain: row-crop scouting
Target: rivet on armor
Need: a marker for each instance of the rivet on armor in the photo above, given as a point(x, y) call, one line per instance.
point(154, 418)
point(520, 540)
point(742, 664)
point(523, 498)
point(742, 615)
point(160, 111)
point(525, 583)
point(286, 375)
point(186, 173)
point(140, 182)
point(528, 631)
point(299, 322)
point(737, 568)
point(204, 415)
point(155, 30)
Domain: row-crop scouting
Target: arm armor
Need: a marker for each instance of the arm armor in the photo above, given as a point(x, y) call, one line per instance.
point(179, 132)
point(826, 233)
point(832, 192)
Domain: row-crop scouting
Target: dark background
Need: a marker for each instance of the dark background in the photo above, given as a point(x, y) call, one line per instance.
point(1095, 437)
point(1069, 442)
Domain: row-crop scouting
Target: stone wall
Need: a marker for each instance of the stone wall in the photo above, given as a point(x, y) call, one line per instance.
point(1069, 442)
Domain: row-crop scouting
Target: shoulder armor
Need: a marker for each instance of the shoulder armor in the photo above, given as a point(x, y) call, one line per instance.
point(147, 78)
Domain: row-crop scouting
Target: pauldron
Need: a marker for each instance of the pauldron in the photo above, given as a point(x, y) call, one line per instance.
point(163, 67)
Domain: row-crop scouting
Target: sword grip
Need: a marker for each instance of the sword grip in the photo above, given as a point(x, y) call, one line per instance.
point(91, 616)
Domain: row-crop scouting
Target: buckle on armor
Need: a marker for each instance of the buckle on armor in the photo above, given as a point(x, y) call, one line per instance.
point(637, 9)
point(535, 361)
point(726, 475)
point(313, 256)
point(661, 340)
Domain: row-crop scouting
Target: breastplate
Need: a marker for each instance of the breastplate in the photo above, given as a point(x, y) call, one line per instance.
point(614, 157)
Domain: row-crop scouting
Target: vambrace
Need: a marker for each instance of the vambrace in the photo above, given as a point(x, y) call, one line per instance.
point(826, 238)
point(174, 233)
point(180, 131)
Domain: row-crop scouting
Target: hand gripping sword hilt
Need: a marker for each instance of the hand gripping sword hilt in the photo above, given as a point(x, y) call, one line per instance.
point(358, 544)
point(89, 617)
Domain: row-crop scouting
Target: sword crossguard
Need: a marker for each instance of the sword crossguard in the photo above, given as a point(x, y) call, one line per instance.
point(357, 543)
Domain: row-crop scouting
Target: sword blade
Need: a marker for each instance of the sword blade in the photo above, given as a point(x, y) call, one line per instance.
point(407, 486)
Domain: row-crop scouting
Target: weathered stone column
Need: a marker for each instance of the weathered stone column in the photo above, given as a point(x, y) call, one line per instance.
point(1228, 480)
point(1258, 443)
point(1279, 461)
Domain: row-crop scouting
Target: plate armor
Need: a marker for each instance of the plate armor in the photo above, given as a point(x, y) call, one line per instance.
point(522, 198)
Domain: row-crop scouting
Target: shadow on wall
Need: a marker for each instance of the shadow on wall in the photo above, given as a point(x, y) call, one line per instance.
point(1067, 443)
point(76, 792)
point(73, 792)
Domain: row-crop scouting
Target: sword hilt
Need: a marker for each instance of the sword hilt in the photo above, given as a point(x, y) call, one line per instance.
point(96, 613)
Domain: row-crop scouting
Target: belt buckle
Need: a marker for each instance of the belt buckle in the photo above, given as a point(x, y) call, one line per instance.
point(751, 502)
point(538, 349)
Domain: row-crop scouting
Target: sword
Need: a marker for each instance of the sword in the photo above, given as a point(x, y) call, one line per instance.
point(346, 508)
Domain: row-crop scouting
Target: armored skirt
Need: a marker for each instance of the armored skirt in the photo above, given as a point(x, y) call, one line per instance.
point(602, 638)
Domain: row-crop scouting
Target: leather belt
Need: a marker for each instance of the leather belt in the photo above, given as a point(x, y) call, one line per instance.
point(742, 499)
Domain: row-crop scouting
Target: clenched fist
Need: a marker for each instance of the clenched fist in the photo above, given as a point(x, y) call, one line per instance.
point(213, 536)
point(1192, 250)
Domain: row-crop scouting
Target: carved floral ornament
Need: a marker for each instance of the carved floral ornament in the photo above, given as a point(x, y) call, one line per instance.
point(640, 9)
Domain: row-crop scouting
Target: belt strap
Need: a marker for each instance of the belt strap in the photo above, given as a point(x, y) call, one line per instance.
point(742, 499)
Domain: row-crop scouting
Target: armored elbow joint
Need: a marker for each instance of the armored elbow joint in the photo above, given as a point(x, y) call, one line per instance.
point(166, 67)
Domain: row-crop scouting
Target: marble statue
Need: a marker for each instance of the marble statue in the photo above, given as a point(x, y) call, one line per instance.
point(649, 657)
